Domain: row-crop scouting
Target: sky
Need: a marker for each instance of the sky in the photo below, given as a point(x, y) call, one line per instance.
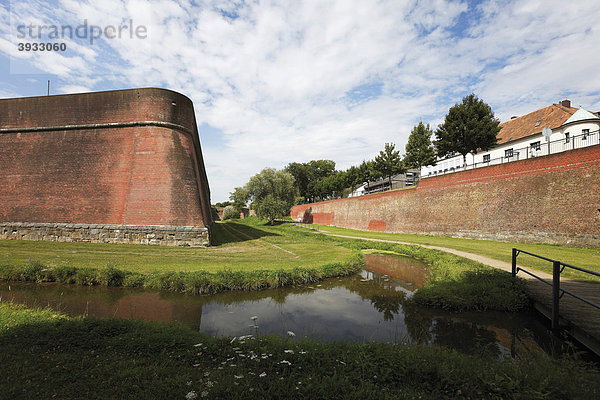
point(275, 82)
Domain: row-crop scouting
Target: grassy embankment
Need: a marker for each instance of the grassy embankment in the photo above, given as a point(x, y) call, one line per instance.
point(245, 256)
point(251, 255)
point(588, 258)
point(47, 355)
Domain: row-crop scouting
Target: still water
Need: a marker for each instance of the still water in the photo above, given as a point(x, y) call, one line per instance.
point(370, 306)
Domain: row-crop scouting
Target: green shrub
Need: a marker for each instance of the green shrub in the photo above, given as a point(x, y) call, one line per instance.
point(33, 271)
point(111, 276)
point(65, 274)
point(133, 279)
point(230, 213)
point(88, 277)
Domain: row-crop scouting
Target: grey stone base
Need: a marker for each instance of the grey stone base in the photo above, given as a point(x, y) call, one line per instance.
point(163, 235)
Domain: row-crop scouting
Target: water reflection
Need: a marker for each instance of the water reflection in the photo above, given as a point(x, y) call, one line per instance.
point(371, 306)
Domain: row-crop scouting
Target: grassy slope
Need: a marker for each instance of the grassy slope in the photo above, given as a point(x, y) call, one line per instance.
point(581, 257)
point(233, 250)
point(48, 357)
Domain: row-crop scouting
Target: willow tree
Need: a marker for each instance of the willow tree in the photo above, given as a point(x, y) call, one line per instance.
point(270, 193)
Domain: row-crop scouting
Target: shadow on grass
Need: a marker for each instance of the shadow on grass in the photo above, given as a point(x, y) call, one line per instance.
point(232, 232)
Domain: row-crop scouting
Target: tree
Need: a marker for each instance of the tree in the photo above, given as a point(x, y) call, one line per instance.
point(366, 171)
point(301, 177)
point(271, 193)
point(388, 163)
point(239, 198)
point(419, 150)
point(318, 170)
point(308, 175)
point(468, 128)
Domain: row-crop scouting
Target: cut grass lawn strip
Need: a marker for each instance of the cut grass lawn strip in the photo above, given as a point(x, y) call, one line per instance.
point(231, 228)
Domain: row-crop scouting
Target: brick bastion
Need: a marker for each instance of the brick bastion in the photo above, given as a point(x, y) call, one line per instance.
point(551, 199)
point(121, 166)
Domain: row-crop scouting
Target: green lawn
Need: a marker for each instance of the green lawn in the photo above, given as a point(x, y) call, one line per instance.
point(239, 246)
point(581, 257)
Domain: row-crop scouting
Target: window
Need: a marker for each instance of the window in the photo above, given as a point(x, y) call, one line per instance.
point(508, 153)
point(567, 137)
point(535, 145)
point(585, 133)
point(486, 158)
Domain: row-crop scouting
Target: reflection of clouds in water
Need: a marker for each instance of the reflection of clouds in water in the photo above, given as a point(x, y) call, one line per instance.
point(334, 314)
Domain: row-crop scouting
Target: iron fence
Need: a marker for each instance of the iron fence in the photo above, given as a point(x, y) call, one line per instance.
point(557, 292)
point(537, 149)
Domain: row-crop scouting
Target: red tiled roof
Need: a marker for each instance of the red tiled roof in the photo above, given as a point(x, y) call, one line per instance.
point(548, 117)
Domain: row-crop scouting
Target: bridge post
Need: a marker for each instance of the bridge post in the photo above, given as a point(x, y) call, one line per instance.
point(555, 293)
point(514, 262)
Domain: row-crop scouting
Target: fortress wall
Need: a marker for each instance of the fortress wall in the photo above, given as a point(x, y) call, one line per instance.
point(552, 199)
point(128, 158)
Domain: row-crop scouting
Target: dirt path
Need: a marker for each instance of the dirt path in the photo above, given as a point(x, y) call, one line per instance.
point(492, 262)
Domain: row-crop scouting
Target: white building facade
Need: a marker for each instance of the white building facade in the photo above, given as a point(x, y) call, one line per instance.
point(521, 138)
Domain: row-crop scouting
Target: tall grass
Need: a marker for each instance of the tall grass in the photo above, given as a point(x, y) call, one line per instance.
point(197, 282)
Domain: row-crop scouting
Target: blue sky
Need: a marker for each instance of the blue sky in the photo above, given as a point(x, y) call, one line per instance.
point(280, 81)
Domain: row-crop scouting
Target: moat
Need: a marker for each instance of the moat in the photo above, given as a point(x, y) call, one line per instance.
point(371, 306)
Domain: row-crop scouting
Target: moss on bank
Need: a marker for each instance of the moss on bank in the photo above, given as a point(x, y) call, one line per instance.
point(48, 357)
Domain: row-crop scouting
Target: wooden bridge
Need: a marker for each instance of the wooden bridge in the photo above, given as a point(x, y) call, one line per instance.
point(572, 306)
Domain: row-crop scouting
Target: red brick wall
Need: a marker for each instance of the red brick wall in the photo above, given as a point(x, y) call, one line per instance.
point(139, 175)
point(547, 199)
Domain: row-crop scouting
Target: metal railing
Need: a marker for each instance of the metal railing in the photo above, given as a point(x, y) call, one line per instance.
point(543, 149)
point(557, 292)
point(299, 224)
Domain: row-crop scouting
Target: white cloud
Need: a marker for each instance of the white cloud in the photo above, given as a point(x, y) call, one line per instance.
point(274, 79)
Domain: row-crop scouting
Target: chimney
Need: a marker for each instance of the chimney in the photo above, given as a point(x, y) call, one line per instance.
point(566, 103)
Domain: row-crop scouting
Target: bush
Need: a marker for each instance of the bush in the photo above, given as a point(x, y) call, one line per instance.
point(112, 276)
point(65, 274)
point(230, 213)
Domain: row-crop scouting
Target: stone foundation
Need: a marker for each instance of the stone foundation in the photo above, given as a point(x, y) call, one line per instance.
point(162, 235)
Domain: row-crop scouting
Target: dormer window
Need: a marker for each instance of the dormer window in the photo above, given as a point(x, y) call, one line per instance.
point(535, 145)
point(567, 137)
point(486, 158)
point(508, 153)
point(585, 133)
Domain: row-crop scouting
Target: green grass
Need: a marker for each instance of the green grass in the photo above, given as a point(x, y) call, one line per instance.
point(247, 256)
point(232, 251)
point(588, 258)
point(45, 357)
point(455, 283)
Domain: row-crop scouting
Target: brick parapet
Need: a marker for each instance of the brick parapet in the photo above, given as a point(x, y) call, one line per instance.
point(163, 235)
